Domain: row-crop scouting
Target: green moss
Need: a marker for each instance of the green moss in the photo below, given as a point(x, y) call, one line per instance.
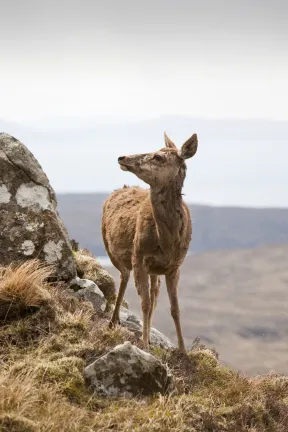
point(66, 372)
point(208, 371)
point(158, 352)
point(63, 345)
point(112, 337)
point(22, 333)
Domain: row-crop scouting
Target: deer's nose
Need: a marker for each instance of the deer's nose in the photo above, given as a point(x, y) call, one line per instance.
point(121, 158)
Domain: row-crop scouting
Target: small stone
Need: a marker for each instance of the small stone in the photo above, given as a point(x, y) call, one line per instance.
point(132, 322)
point(88, 268)
point(88, 291)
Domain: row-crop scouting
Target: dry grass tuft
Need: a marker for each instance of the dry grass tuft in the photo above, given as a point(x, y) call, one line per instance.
point(23, 289)
point(43, 355)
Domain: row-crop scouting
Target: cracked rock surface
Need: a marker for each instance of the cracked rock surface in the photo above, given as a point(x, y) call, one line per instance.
point(30, 226)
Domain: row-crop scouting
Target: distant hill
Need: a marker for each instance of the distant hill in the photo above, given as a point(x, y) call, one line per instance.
point(235, 300)
point(214, 228)
point(82, 214)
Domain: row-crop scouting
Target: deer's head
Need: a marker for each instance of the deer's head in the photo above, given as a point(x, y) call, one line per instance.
point(161, 167)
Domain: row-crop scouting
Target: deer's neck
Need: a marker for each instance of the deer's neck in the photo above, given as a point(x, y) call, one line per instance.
point(168, 212)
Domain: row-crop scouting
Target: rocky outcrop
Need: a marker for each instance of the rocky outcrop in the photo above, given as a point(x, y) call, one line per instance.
point(128, 371)
point(89, 268)
point(88, 291)
point(30, 226)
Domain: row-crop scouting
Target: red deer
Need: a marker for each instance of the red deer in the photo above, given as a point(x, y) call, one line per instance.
point(149, 231)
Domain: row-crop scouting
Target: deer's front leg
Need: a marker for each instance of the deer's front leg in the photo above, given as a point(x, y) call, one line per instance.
point(141, 279)
point(172, 288)
point(154, 293)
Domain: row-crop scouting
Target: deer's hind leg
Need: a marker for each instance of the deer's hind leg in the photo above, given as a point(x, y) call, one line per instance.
point(172, 288)
point(124, 278)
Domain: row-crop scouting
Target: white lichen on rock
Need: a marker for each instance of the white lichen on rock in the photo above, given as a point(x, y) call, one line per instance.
point(28, 247)
point(20, 216)
point(53, 251)
point(5, 195)
point(34, 226)
point(33, 195)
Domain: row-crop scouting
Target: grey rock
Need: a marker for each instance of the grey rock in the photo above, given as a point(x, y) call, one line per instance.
point(89, 268)
point(132, 322)
point(80, 284)
point(30, 226)
point(128, 371)
point(87, 290)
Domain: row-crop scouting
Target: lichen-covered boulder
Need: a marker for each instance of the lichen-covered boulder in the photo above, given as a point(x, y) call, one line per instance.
point(30, 226)
point(128, 371)
point(89, 268)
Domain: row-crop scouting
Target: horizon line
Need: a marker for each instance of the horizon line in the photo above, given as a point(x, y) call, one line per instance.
point(198, 204)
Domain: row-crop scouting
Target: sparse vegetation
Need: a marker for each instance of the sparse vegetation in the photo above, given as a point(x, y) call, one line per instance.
point(88, 267)
point(47, 337)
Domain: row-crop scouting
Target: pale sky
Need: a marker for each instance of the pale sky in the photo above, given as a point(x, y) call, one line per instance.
point(221, 58)
point(74, 73)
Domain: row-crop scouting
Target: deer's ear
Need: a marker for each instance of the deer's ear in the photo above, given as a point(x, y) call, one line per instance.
point(189, 148)
point(168, 142)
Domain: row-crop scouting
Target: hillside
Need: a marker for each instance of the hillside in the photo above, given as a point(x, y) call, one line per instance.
point(214, 228)
point(47, 340)
point(234, 298)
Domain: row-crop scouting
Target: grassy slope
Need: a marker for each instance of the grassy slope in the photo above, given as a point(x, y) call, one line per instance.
point(48, 337)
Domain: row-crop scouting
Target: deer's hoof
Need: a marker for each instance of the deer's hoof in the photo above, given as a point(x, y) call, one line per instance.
point(113, 323)
point(146, 345)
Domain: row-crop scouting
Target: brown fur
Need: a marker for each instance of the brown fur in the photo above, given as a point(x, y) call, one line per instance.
point(149, 231)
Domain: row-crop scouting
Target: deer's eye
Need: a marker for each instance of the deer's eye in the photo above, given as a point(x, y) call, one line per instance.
point(158, 157)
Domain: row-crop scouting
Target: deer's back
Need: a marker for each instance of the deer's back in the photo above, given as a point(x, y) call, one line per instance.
point(120, 213)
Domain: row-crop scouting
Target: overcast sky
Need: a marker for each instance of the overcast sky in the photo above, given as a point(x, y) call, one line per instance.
point(214, 58)
point(66, 62)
